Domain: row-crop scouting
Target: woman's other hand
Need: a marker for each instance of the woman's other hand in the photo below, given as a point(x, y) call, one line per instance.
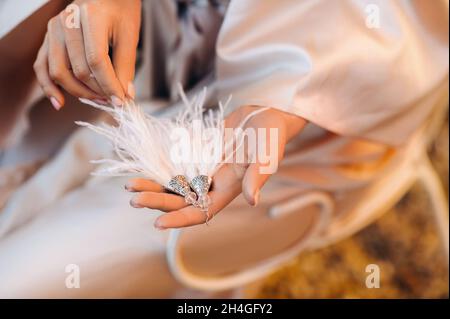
point(74, 56)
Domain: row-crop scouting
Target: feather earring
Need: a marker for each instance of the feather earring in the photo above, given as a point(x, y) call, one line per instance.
point(206, 131)
point(141, 145)
point(210, 150)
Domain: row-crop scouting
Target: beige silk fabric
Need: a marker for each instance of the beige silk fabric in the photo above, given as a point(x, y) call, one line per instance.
point(363, 90)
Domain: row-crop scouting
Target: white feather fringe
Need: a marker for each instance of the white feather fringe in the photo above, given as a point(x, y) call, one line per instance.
point(142, 142)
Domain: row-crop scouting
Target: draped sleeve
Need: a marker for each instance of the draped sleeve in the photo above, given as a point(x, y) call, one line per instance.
point(324, 61)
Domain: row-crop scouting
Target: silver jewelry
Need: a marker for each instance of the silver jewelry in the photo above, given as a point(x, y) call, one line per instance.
point(201, 185)
point(179, 185)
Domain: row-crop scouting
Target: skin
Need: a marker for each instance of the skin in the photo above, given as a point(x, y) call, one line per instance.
point(231, 179)
point(76, 59)
point(17, 76)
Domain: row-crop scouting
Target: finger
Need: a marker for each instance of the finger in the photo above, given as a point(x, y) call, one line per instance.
point(191, 215)
point(50, 89)
point(96, 43)
point(143, 185)
point(59, 66)
point(188, 216)
point(253, 182)
point(77, 57)
point(124, 58)
point(265, 154)
point(226, 187)
point(161, 201)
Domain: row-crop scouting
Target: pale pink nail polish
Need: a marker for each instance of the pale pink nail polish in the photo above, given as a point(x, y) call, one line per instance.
point(55, 103)
point(131, 91)
point(158, 225)
point(116, 101)
point(100, 101)
point(129, 187)
point(134, 204)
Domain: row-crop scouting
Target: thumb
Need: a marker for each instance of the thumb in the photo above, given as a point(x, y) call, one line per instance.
point(252, 183)
point(277, 129)
point(270, 152)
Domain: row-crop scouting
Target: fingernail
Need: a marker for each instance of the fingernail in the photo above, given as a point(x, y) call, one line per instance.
point(55, 103)
point(131, 90)
point(101, 101)
point(158, 225)
point(116, 101)
point(256, 198)
point(128, 187)
point(134, 204)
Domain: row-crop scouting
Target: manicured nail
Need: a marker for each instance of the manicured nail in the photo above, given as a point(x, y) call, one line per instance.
point(55, 103)
point(134, 204)
point(256, 198)
point(116, 101)
point(131, 90)
point(101, 101)
point(158, 225)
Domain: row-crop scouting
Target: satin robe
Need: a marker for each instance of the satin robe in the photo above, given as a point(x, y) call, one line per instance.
point(363, 89)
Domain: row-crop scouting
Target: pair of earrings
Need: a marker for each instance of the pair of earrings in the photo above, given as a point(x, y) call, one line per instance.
point(141, 144)
point(194, 192)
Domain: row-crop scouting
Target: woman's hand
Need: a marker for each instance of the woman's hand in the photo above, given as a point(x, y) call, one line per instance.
point(75, 56)
point(230, 180)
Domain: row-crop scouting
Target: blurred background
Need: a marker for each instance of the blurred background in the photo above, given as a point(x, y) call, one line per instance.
point(404, 243)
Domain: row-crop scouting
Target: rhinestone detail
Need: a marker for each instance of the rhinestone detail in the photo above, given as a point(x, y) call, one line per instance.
point(179, 185)
point(201, 184)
